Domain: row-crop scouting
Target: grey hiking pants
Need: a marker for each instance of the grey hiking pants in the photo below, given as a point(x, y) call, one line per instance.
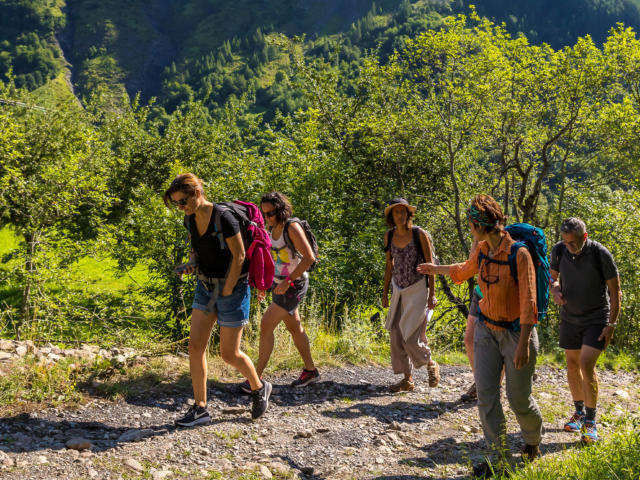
point(492, 350)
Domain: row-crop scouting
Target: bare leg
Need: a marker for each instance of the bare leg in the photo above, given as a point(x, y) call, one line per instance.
point(588, 358)
point(574, 375)
point(230, 352)
point(200, 330)
point(300, 339)
point(270, 320)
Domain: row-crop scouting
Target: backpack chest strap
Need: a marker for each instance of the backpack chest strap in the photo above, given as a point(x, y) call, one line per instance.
point(511, 259)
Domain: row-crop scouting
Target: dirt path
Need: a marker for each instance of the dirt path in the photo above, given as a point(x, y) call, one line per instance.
point(345, 427)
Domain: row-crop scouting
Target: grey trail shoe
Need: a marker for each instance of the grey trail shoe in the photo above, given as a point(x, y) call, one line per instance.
point(195, 416)
point(260, 400)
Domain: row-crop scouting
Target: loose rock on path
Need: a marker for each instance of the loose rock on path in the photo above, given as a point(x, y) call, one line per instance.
point(347, 426)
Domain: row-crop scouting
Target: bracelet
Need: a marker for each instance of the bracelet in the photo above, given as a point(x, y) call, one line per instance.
point(289, 281)
point(611, 325)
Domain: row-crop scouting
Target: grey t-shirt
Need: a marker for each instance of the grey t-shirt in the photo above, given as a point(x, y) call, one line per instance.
point(583, 280)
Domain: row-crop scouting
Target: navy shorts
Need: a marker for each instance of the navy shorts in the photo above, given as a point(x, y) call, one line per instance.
point(572, 336)
point(293, 296)
point(233, 310)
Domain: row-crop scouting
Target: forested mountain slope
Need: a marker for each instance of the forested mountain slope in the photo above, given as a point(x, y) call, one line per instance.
point(212, 49)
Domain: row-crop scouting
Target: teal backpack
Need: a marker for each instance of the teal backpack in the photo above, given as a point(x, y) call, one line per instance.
point(533, 239)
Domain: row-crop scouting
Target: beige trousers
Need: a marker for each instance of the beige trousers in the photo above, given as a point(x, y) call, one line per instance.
point(410, 353)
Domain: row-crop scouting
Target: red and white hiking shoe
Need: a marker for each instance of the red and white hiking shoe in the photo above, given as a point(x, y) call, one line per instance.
point(305, 378)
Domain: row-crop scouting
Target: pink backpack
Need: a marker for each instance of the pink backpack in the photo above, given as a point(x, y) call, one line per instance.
point(256, 240)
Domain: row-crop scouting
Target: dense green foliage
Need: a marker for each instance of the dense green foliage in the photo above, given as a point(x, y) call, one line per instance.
point(27, 44)
point(438, 110)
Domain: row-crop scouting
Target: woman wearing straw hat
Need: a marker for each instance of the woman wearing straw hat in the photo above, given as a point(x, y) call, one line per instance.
point(412, 298)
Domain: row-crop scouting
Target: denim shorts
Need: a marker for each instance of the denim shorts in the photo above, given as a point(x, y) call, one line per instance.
point(233, 310)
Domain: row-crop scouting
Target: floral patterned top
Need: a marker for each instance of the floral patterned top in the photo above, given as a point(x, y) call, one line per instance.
point(404, 265)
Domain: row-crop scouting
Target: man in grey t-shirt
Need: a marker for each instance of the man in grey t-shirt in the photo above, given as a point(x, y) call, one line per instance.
point(586, 285)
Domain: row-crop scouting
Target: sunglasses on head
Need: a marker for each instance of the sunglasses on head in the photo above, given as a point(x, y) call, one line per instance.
point(180, 203)
point(270, 213)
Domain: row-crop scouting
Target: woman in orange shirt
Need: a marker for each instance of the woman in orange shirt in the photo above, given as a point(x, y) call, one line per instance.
point(504, 333)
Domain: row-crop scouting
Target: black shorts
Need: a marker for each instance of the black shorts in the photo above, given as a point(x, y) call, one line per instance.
point(293, 296)
point(473, 306)
point(573, 337)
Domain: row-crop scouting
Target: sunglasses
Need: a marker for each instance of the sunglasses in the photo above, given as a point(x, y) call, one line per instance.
point(180, 203)
point(270, 213)
point(488, 278)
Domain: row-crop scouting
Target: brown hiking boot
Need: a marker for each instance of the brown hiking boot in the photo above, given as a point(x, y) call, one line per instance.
point(471, 395)
point(433, 369)
point(403, 385)
point(530, 453)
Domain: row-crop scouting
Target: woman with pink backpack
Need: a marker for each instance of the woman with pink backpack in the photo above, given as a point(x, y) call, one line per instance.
point(292, 248)
point(222, 293)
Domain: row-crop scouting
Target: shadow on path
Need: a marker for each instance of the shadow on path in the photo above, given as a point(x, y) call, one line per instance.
point(22, 433)
point(409, 412)
point(148, 390)
point(306, 473)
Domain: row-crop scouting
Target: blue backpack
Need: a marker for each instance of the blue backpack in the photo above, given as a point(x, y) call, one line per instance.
point(533, 239)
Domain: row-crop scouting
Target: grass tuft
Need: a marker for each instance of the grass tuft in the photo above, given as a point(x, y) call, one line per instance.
point(617, 457)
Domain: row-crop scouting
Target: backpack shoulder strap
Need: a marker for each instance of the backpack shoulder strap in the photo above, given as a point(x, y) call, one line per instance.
point(415, 231)
point(218, 210)
point(482, 256)
point(561, 249)
point(387, 247)
point(287, 238)
point(598, 264)
point(187, 225)
point(513, 260)
point(417, 240)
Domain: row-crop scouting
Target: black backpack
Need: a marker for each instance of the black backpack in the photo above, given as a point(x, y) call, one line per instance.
point(415, 231)
point(240, 212)
point(311, 238)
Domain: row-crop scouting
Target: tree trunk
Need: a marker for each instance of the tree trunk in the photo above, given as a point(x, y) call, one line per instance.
point(561, 195)
point(506, 194)
point(456, 194)
point(29, 267)
point(459, 303)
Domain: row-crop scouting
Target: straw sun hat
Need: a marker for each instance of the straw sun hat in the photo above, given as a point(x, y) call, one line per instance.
point(399, 201)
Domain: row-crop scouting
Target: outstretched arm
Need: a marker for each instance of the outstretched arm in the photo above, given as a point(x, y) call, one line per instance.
point(433, 269)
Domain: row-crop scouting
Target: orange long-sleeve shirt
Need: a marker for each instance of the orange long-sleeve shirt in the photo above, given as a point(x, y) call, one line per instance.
point(505, 300)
